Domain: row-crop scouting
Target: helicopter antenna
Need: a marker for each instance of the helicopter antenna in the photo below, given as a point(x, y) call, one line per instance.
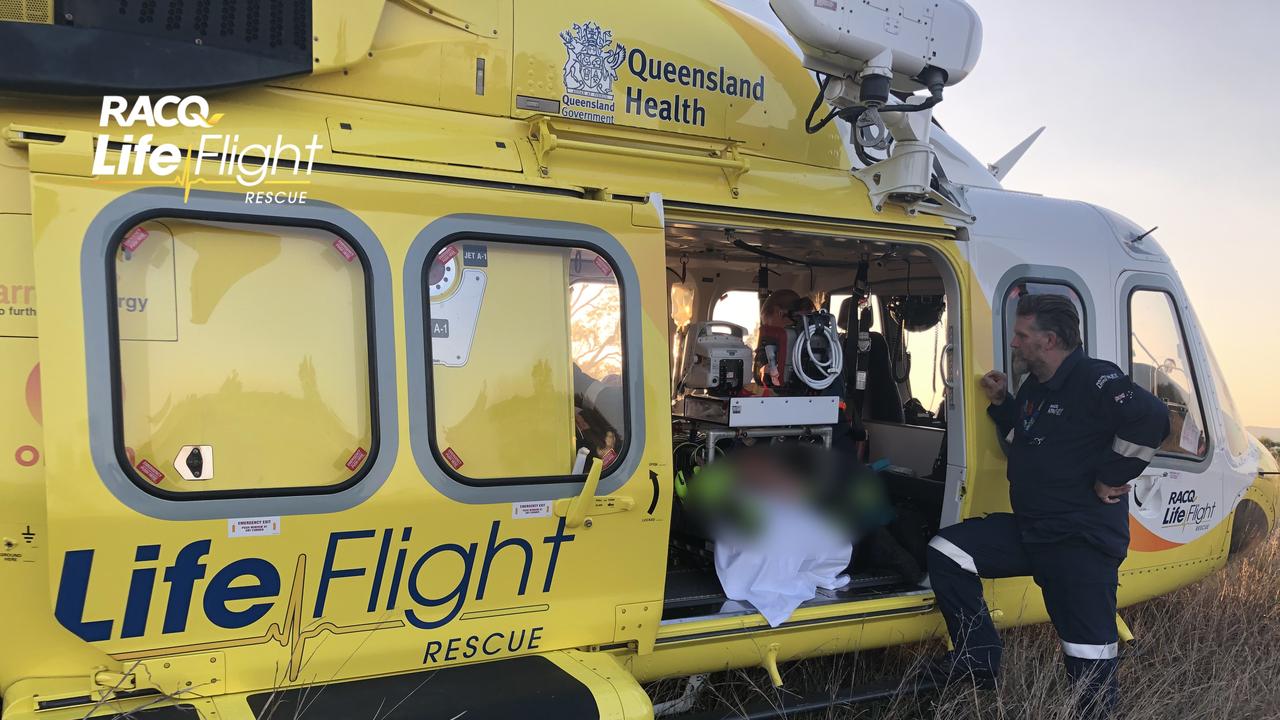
point(1144, 235)
point(1001, 167)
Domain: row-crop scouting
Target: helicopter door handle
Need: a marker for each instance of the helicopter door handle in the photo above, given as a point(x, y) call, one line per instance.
point(943, 373)
point(1147, 492)
point(577, 511)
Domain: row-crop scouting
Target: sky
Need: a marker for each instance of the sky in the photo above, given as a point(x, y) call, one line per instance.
point(1164, 111)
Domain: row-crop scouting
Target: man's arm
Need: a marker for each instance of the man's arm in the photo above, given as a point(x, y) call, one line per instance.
point(1140, 422)
point(1003, 409)
point(1005, 415)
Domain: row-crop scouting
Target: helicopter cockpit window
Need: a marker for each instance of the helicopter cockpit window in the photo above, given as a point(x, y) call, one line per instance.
point(1159, 362)
point(1237, 436)
point(243, 359)
point(1016, 371)
point(528, 361)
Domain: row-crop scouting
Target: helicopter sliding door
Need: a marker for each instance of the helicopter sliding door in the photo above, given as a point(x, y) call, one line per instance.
point(342, 439)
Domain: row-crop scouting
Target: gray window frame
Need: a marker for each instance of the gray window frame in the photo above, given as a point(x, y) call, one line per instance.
point(1157, 283)
point(100, 243)
point(1044, 275)
point(533, 232)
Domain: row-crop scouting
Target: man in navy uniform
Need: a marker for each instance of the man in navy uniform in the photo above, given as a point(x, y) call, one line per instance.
point(1078, 431)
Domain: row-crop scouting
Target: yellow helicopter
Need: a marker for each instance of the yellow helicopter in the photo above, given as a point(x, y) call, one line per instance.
point(355, 354)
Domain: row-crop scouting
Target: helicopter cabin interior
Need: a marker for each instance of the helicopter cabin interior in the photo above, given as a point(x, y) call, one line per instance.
point(888, 302)
point(887, 305)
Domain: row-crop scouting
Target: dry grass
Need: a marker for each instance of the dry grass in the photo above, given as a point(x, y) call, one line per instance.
point(1211, 650)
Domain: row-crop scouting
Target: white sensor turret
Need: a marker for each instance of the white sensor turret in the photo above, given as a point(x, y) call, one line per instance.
point(898, 38)
point(864, 49)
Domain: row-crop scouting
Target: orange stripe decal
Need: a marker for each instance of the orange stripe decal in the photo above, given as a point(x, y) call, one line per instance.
point(1143, 540)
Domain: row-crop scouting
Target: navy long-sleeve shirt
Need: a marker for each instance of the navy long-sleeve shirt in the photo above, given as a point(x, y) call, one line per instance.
point(1089, 423)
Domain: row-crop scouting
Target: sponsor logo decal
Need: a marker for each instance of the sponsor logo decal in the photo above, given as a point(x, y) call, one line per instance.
point(211, 158)
point(1183, 509)
point(594, 61)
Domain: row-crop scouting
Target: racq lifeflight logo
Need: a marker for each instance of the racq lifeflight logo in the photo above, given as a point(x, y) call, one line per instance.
point(214, 159)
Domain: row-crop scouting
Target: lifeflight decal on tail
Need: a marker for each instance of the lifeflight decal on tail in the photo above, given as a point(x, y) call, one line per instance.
point(382, 566)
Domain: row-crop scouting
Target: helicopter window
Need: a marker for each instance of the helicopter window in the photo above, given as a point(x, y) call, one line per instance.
point(595, 314)
point(1237, 437)
point(243, 359)
point(1160, 363)
point(926, 348)
point(527, 350)
point(740, 307)
point(837, 301)
point(1016, 371)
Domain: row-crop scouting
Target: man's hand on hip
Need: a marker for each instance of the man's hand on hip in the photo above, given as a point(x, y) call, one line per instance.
point(996, 385)
point(1110, 494)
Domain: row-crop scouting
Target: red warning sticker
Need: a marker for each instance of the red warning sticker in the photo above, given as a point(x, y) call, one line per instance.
point(609, 456)
point(603, 265)
point(151, 472)
point(356, 458)
point(346, 251)
point(134, 239)
point(453, 458)
point(446, 255)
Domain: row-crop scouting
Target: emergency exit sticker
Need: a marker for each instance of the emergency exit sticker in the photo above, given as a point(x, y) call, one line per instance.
point(344, 249)
point(523, 510)
point(609, 456)
point(356, 458)
point(446, 255)
point(248, 527)
point(134, 239)
point(452, 457)
point(150, 472)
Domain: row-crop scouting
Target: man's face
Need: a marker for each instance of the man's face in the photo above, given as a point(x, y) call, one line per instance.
point(1029, 344)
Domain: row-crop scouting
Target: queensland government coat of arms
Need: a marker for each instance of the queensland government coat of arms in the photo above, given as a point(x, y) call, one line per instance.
point(592, 66)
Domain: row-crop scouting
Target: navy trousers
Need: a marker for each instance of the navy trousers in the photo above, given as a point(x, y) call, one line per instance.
point(1079, 585)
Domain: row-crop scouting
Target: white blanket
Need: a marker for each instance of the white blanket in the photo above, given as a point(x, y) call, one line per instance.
point(796, 553)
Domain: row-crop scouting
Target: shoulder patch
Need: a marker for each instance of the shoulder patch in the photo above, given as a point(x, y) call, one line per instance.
point(1104, 379)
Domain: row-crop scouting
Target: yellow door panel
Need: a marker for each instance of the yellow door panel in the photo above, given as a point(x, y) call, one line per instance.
point(401, 577)
point(26, 605)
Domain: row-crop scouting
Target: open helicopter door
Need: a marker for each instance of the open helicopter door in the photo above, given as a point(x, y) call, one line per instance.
point(955, 363)
point(273, 479)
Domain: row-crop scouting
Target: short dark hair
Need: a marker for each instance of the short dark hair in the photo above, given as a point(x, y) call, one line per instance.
point(1055, 314)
